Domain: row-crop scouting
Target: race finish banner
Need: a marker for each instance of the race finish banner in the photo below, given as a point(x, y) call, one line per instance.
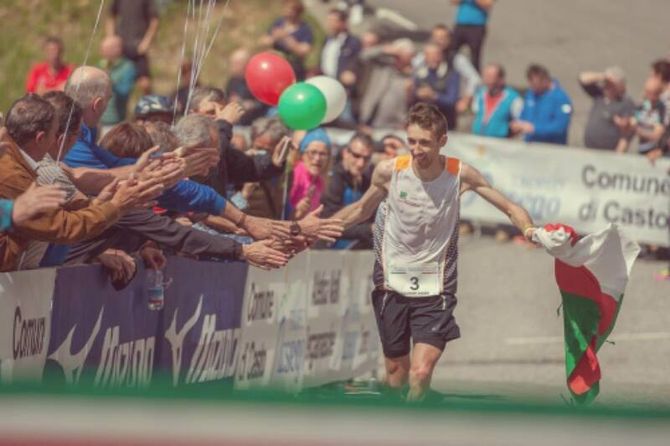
point(586, 189)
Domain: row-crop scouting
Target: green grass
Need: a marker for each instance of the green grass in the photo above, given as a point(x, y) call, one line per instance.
point(25, 23)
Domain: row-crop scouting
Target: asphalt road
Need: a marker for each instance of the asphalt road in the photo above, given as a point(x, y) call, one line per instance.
point(511, 344)
point(567, 36)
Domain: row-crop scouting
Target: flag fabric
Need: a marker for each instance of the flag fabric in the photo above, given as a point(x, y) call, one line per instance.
point(591, 273)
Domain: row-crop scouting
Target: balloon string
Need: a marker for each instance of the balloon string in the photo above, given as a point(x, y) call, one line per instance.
point(181, 62)
point(216, 32)
point(86, 55)
point(195, 57)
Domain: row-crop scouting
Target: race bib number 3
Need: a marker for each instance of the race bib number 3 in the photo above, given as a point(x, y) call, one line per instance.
point(415, 281)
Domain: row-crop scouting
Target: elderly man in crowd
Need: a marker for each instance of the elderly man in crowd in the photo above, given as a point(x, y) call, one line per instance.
point(234, 166)
point(610, 104)
point(32, 127)
point(265, 197)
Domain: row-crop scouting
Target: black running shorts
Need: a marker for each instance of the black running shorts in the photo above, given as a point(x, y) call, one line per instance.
point(428, 320)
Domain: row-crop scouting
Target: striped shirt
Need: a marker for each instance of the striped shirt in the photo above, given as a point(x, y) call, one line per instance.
point(48, 173)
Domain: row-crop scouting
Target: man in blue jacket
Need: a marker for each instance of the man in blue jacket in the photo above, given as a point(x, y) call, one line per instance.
point(495, 104)
point(547, 109)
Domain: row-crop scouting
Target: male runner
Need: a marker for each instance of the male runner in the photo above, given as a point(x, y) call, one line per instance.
point(416, 245)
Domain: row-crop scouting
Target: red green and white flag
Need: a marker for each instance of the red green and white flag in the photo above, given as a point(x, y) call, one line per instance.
point(591, 273)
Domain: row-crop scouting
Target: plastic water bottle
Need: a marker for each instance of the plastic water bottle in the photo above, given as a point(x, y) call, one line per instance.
point(155, 286)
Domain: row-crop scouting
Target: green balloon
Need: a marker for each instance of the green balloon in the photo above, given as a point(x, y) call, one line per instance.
point(302, 106)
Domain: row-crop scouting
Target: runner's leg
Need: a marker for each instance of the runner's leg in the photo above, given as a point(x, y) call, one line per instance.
point(424, 359)
point(397, 371)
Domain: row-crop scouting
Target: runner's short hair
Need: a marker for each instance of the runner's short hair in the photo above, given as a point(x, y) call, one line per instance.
point(428, 117)
point(127, 140)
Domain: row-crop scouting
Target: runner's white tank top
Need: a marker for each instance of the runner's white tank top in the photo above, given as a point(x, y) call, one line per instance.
point(420, 231)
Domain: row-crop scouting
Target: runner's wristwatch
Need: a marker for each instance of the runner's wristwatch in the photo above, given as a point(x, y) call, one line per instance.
point(295, 229)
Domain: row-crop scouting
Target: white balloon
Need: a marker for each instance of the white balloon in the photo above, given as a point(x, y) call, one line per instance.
point(335, 94)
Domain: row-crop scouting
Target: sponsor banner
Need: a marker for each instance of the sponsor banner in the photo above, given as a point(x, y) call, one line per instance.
point(258, 345)
point(200, 330)
point(121, 343)
point(586, 189)
point(362, 346)
point(289, 364)
point(25, 318)
point(326, 307)
point(110, 335)
point(308, 324)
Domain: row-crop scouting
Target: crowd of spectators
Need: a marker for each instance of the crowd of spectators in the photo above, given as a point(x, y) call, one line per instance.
point(211, 173)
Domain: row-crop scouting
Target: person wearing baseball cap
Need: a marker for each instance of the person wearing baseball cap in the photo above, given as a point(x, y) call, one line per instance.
point(153, 108)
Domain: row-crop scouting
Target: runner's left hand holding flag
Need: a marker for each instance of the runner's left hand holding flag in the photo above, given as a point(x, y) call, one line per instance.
point(592, 273)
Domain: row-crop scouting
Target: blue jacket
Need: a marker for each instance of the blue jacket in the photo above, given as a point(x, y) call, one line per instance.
point(550, 114)
point(497, 124)
point(185, 196)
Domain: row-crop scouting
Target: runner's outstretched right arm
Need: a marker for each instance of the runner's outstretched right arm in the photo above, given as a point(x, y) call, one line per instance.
point(363, 209)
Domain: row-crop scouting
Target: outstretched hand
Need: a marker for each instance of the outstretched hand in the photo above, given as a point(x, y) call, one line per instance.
point(313, 227)
point(262, 255)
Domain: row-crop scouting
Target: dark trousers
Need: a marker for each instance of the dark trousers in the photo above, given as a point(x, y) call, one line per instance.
point(471, 36)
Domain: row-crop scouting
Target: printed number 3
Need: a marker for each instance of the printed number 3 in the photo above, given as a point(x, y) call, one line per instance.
point(415, 283)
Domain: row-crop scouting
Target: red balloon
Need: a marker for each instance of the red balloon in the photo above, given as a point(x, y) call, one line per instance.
point(268, 75)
